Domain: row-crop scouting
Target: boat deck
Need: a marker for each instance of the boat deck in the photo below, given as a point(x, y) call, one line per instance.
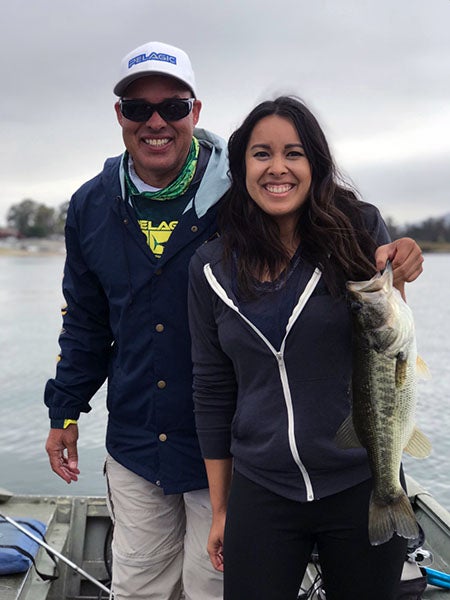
point(435, 522)
point(78, 528)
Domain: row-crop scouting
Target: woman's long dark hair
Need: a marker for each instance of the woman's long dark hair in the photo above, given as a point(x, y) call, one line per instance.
point(330, 227)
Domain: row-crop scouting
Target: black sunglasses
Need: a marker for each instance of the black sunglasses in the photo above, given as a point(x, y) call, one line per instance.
point(172, 109)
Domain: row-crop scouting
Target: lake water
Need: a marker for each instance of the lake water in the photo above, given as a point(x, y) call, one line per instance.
point(30, 301)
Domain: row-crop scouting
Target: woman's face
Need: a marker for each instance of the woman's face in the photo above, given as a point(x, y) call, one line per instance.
point(278, 174)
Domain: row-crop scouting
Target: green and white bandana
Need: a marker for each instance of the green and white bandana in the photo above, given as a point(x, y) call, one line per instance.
point(156, 217)
point(177, 188)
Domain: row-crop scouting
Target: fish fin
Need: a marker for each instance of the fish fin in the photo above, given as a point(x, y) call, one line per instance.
point(346, 435)
point(422, 368)
point(387, 518)
point(401, 371)
point(418, 445)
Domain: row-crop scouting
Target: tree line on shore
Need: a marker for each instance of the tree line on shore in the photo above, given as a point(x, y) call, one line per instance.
point(432, 234)
point(32, 219)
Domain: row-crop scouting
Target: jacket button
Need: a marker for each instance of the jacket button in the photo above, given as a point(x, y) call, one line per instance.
point(161, 384)
point(162, 437)
point(158, 271)
point(159, 327)
point(194, 228)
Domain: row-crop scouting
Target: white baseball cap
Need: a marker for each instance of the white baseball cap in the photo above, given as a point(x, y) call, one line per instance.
point(155, 58)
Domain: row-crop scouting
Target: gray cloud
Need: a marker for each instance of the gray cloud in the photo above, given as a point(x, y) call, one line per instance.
point(407, 192)
point(367, 68)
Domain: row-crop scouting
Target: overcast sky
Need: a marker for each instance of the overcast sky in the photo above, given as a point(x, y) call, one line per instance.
point(375, 72)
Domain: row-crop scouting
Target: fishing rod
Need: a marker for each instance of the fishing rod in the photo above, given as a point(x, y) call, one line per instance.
point(68, 562)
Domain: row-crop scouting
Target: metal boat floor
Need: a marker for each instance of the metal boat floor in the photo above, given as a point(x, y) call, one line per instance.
point(77, 528)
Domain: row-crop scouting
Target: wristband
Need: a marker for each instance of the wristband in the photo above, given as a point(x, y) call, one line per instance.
point(61, 423)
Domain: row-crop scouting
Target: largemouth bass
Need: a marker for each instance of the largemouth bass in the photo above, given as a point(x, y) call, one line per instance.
point(384, 382)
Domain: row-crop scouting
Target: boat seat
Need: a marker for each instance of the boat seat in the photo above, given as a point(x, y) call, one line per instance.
point(18, 586)
point(77, 528)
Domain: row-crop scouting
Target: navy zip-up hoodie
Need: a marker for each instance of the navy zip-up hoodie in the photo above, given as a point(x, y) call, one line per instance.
point(275, 410)
point(126, 320)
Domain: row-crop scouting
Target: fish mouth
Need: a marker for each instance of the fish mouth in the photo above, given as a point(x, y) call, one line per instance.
point(375, 284)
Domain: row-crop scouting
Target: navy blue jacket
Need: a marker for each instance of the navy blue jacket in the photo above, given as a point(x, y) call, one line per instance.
point(275, 410)
point(126, 320)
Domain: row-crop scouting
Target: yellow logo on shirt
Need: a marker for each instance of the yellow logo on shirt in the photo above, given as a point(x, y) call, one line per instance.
point(157, 235)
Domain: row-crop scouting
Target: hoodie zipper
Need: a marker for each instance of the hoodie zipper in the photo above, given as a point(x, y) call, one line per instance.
point(279, 356)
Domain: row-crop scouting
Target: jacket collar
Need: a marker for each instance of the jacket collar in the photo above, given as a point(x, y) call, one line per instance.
point(215, 181)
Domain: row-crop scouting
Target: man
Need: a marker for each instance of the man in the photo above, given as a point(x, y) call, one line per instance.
point(130, 234)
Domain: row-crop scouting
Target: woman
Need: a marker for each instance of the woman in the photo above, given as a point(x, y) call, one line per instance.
point(271, 343)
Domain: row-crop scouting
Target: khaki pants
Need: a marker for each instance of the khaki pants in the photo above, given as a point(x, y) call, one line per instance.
point(159, 542)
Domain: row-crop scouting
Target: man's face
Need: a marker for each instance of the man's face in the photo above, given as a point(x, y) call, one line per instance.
point(159, 148)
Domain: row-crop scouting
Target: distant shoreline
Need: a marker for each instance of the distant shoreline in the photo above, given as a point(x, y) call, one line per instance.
point(51, 247)
point(434, 247)
point(33, 247)
point(26, 253)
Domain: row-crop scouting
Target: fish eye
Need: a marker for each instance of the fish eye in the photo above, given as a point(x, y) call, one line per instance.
point(355, 306)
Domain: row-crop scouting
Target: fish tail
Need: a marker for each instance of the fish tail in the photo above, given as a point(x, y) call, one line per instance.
point(387, 518)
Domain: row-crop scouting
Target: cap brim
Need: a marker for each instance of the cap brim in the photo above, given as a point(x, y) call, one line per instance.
point(121, 86)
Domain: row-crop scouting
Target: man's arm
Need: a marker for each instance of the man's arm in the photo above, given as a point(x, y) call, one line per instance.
point(85, 347)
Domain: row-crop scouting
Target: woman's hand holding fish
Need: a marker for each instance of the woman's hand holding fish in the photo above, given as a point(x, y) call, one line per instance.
point(406, 258)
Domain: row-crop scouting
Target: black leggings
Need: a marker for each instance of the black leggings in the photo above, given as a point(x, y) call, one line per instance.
point(269, 539)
